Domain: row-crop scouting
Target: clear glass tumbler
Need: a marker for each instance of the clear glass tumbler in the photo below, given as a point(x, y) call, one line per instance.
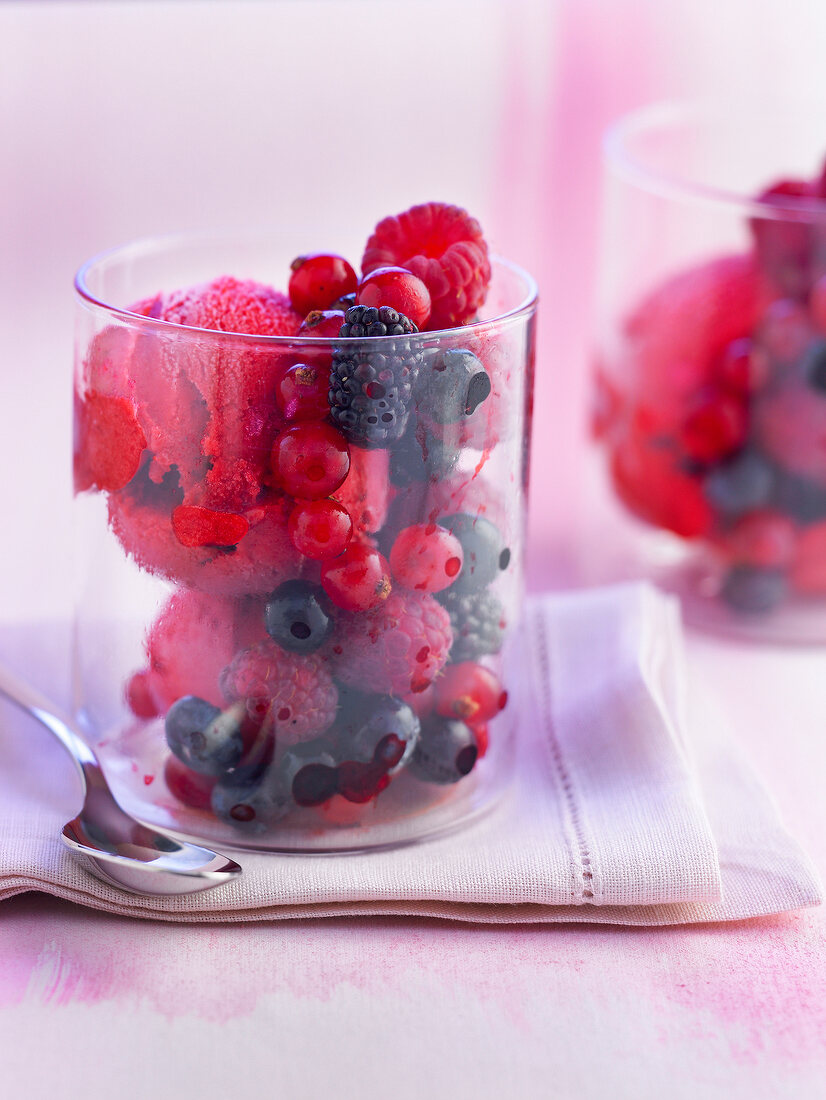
point(290, 638)
point(710, 395)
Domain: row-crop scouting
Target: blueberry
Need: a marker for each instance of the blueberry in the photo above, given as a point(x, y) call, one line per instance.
point(382, 731)
point(297, 617)
point(753, 590)
point(800, 498)
point(484, 551)
point(249, 807)
point(202, 738)
point(741, 485)
point(452, 385)
point(421, 456)
point(307, 773)
point(446, 751)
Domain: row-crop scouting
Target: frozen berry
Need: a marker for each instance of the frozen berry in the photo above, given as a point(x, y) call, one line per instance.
point(190, 787)
point(482, 736)
point(715, 427)
point(320, 529)
point(452, 385)
point(310, 460)
point(809, 570)
point(753, 590)
point(420, 456)
point(397, 288)
point(766, 539)
point(322, 323)
point(297, 617)
point(199, 740)
point(361, 783)
point(302, 393)
point(139, 696)
point(651, 485)
point(307, 774)
point(484, 553)
point(371, 382)
point(784, 332)
point(444, 247)
point(817, 303)
point(790, 425)
point(317, 281)
point(109, 442)
point(469, 691)
point(814, 365)
point(196, 526)
point(426, 557)
point(743, 369)
point(384, 732)
point(784, 241)
point(478, 623)
point(446, 751)
point(802, 499)
point(398, 649)
point(358, 579)
point(249, 807)
point(741, 485)
point(365, 492)
point(297, 688)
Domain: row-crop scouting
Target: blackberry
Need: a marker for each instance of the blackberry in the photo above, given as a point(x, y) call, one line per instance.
point(371, 383)
point(478, 624)
point(421, 456)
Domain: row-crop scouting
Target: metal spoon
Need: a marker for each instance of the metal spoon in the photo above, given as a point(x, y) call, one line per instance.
point(111, 844)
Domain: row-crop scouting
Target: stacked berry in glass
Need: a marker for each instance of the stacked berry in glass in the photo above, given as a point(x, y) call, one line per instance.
point(320, 504)
point(711, 404)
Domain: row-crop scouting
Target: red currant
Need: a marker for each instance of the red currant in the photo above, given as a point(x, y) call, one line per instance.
point(318, 280)
point(321, 324)
point(196, 526)
point(482, 737)
point(302, 393)
point(426, 557)
point(139, 696)
point(358, 579)
point(399, 288)
point(189, 787)
point(320, 529)
point(763, 539)
point(469, 692)
point(715, 427)
point(310, 460)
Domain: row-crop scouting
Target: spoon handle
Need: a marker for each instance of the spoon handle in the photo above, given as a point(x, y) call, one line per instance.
point(64, 728)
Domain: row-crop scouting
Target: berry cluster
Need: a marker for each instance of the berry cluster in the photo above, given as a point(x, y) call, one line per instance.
point(333, 623)
point(715, 422)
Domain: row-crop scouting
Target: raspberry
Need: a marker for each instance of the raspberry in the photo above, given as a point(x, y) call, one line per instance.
point(470, 692)
point(109, 442)
point(320, 529)
point(194, 526)
point(444, 247)
point(302, 392)
point(398, 649)
point(232, 305)
point(649, 483)
point(365, 492)
point(426, 557)
point(358, 579)
point(397, 288)
point(478, 624)
point(371, 382)
point(715, 427)
point(784, 244)
point(790, 425)
point(310, 460)
point(301, 695)
point(317, 281)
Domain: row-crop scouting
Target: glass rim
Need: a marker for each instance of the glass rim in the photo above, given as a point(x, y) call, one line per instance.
point(524, 308)
point(671, 114)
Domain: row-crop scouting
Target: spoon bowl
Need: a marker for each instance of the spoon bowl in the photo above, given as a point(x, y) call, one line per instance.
point(109, 842)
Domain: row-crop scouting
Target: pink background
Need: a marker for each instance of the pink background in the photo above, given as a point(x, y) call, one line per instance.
point(121, 120)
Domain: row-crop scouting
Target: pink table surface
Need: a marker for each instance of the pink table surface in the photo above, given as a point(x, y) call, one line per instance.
point(355, 1007)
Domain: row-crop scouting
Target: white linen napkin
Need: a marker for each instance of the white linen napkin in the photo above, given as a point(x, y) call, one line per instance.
point(622, 810)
